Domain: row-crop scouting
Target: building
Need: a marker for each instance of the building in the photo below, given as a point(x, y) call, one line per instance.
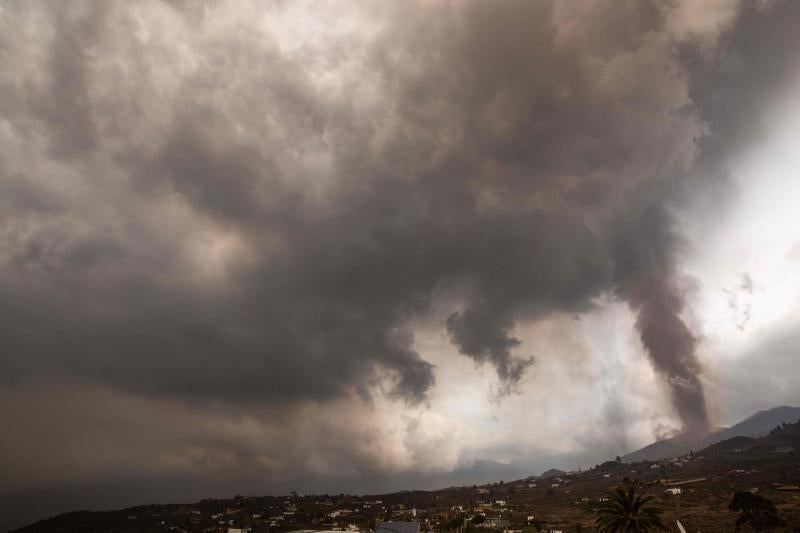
point(494, 520)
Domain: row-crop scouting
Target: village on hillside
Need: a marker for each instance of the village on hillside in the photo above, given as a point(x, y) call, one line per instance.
point(695, 489)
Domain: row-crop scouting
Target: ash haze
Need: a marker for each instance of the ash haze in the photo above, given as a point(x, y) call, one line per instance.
point(344, 246)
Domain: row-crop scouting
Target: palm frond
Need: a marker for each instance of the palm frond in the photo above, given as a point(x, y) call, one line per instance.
point(628, 511)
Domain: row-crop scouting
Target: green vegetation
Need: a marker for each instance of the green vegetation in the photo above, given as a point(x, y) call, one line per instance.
point(756, 511)
point(627, 510)
point(478, 519)
point(455, 523)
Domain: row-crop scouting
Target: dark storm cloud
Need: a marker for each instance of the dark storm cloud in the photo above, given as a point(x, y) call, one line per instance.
point(323, 302)
point(65, 106)
point(483, 334)
point(755, 63)
point(201, 211)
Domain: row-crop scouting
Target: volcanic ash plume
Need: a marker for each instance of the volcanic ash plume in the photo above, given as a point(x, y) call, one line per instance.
point(671, 347)
point(646, 279)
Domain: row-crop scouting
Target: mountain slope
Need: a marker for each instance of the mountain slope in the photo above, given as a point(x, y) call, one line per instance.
point(756, 425)
point(785, 438)
point(553, 472)
point(732, 445)
point(762, 422)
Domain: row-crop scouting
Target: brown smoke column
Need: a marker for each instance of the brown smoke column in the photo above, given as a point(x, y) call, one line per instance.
point(671, 347)
point(646, 258)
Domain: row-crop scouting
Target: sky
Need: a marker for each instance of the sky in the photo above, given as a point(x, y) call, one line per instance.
point(368, 246)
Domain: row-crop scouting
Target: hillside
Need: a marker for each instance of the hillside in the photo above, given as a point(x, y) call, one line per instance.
point(703, 483)
point(558, 500)
point(732, 445)
point(762, 422)
point(553, 472)
point(756, 425)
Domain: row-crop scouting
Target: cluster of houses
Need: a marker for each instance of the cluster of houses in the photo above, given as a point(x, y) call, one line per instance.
point(506, 507)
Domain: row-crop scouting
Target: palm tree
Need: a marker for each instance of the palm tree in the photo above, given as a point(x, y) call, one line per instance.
point(627, 511)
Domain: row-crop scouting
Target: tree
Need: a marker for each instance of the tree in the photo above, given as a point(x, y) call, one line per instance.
point(478, 519)
point(456, 522)
point(755, 510)
point(627, 511)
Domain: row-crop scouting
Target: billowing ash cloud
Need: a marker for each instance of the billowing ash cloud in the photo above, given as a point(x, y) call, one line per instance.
point(334, 212)
point(249, 206)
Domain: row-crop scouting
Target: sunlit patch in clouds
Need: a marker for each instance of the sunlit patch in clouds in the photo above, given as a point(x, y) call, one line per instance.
point(591, 389)
point(747, 263)
point(753, 248)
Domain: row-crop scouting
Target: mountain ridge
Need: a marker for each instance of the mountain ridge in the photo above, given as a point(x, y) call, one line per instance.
point(756, 425)
point(715, 473)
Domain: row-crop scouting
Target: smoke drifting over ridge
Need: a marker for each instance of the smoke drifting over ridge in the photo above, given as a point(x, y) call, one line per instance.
point(239, 212)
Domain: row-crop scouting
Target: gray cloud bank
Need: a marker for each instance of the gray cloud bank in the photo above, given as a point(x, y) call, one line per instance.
point(197, 206)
